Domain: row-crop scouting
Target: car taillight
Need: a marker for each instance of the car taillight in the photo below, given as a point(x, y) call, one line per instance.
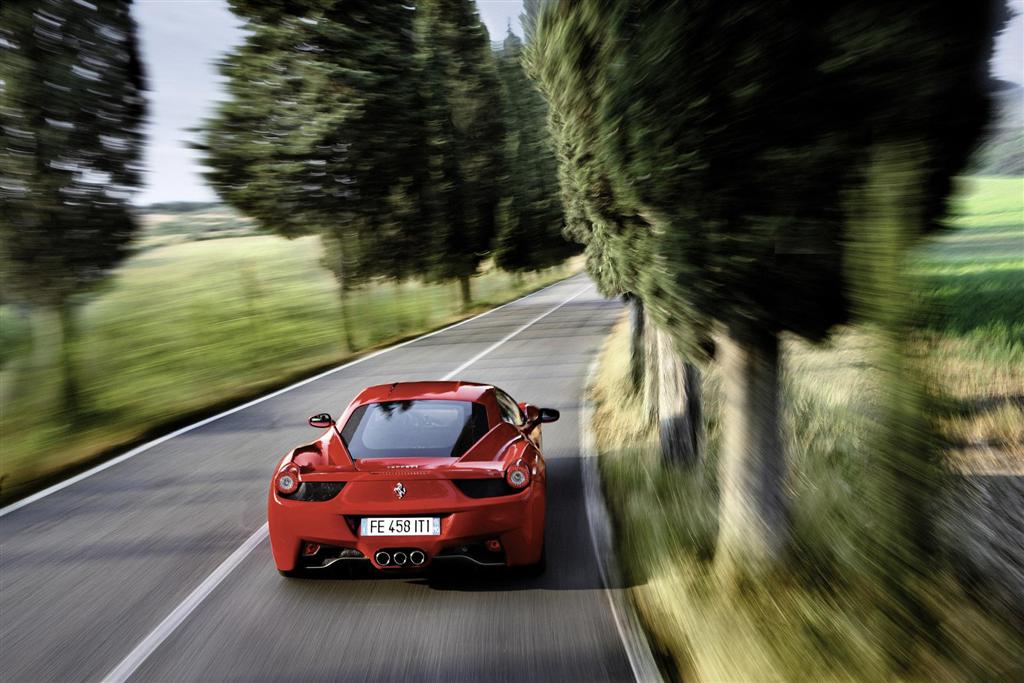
point(287, 480)
point(518, 475)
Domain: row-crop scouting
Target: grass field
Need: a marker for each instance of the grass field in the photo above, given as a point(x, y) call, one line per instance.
point(194, 324)
point(824, 618)
point(974, 282)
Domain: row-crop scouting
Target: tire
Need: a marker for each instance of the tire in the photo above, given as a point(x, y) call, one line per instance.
point(297, 573)
point(536, 570)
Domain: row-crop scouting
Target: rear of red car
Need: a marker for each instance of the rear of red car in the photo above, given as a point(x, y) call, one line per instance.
point(412, 475)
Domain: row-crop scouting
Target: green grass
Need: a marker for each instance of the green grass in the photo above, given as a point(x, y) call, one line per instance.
point(974, 276)
point(182, 327)
point(973, 283)
point(825, 616)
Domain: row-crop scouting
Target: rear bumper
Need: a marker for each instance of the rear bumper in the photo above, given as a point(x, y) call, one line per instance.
point(516, 521)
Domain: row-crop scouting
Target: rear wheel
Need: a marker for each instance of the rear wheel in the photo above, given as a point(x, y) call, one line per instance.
point(297, 573)
point(535, 570)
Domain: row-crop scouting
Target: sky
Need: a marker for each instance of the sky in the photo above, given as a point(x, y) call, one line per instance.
point(183, 39)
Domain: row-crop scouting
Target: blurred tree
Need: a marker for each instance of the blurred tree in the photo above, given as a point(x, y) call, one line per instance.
point(618, 237)
point(323, 133)
point(927, 58)
point(71, 112)
point(741, 132)
point(530, 216)
point(466, 162)
point(531, 12)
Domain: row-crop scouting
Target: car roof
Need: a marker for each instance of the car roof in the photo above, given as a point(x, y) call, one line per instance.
point(408, 391)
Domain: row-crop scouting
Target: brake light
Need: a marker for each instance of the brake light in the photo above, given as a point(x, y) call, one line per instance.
point(287, 480)
point(518, 475)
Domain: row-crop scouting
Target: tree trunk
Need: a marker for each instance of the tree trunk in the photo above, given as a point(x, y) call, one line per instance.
point(903, 451)
point(651, 371)
point(636, 343)
point(338, 261)
point(70, 397)
point(401, 322)
point(905, 477)
point(465, 292)
point(680, 426)
point(346, 318)
point(28, 366)
point(753, 519)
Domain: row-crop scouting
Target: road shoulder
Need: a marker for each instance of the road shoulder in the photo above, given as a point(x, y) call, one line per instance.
point(634, 638)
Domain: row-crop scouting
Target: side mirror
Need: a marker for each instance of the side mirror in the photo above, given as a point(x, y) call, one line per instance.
point(321, 421)
point(531, 413)
point(549, 415)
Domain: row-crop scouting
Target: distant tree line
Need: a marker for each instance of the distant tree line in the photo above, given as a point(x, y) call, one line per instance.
point(393, 131)
point(177, 207)
point(1002, 152)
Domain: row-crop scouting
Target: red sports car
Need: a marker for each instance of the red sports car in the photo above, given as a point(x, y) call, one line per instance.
point(415, 474)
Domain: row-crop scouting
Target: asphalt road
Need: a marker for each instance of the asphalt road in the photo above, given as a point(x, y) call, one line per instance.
point(121, 568)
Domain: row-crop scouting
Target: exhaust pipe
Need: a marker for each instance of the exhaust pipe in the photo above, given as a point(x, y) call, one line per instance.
point(417, 557)
point(382, 558)
point(400, 558)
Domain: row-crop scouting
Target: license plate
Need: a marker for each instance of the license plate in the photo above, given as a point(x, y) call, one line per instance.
point(400, 526)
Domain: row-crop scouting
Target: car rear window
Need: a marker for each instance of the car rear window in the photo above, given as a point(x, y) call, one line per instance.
point(426, 428)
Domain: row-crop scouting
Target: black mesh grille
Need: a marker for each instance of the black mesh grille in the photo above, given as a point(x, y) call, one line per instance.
point(316, 491)
point(484, 488)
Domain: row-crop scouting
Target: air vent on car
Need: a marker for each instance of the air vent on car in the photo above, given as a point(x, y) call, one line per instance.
point(484, 488)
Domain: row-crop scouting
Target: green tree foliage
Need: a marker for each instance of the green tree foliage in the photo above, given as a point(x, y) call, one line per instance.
point(324, 133)
point(464, 110)
point(618, 238)
point(529, 17)
point(71, 113)
point(595, 214)
point(530, 216)
point(741, 134)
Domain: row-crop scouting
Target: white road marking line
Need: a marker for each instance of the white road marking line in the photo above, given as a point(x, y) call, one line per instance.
point(173, 620)
point(631, 633)
point(509, 336)
point(17, 505)
point(124, 670)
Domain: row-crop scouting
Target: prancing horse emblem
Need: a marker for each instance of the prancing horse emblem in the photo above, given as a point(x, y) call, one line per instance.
point(399, 490)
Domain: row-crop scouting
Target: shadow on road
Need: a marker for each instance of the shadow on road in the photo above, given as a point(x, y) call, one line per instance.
point(571, 563)
point(985, 523)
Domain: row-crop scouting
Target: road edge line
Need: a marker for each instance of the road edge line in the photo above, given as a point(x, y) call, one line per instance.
point(141, 652)
point(631, 633)
point(118, 459)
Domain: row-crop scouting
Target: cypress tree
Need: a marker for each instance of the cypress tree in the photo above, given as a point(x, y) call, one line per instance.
point(529, 17)
point(464, 110)
point(742, 132)
point(618, 239)
point(323, 133)
point(530, 217)
point(72, 114)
